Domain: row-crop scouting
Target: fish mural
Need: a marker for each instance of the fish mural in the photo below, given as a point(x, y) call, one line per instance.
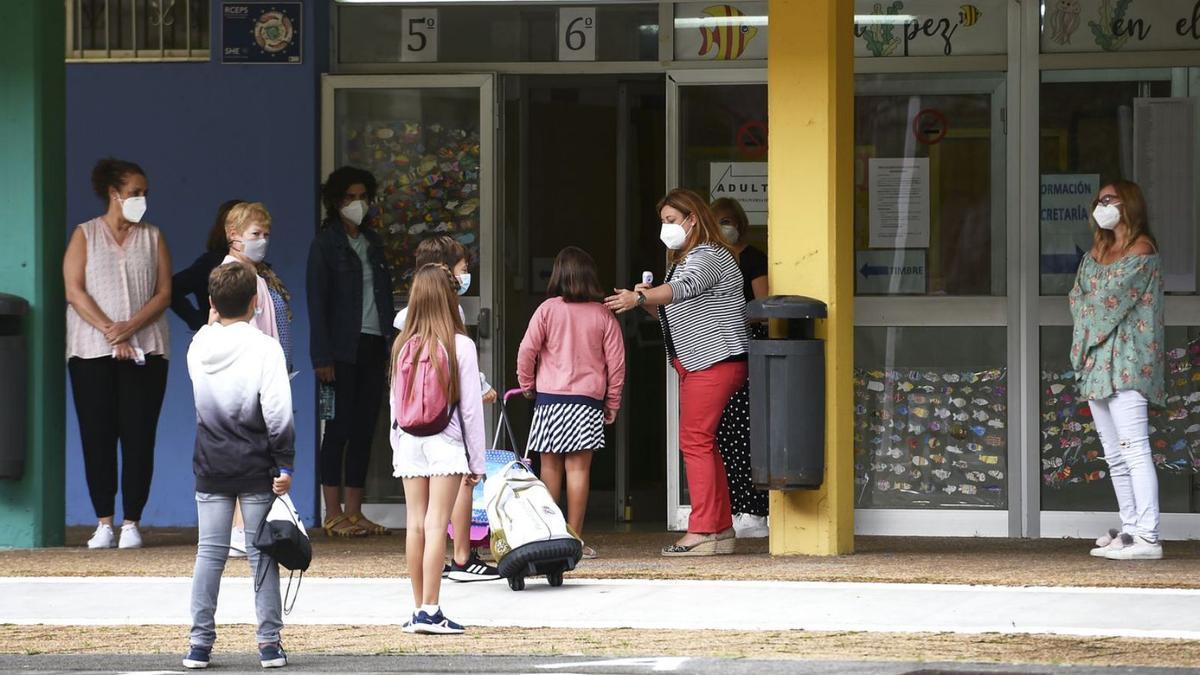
point(727, 37)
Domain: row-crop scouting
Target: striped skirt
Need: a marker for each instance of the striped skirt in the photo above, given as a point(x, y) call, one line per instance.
point(561, 426)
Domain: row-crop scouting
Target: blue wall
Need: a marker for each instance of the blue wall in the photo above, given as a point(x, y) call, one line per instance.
point(204, 133)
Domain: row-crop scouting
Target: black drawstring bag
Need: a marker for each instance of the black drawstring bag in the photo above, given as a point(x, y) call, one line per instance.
point(283, 539)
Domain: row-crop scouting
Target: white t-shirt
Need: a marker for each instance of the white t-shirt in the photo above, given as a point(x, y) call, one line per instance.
point(402, 318)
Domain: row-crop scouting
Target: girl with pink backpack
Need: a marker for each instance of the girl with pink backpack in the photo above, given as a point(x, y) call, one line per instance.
point(436, 401)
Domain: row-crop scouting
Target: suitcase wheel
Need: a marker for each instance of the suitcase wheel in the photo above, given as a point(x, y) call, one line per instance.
point(518, 583)
point(555, 578)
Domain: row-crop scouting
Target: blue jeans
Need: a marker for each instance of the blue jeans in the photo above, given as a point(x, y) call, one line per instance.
point(215, 514)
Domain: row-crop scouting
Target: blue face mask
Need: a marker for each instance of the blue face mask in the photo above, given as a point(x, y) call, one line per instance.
point(464, 283)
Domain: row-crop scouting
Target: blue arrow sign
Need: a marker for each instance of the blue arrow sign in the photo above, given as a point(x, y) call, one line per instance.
point(873, 270)
point(1061, 263)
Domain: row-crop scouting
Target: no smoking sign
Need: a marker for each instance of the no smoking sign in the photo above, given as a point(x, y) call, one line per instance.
point(930, 126)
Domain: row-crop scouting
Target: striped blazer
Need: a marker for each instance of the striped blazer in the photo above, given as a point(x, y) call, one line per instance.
point(705, 323)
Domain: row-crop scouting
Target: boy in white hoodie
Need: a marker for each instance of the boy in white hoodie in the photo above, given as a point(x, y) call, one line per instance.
point(245, 444)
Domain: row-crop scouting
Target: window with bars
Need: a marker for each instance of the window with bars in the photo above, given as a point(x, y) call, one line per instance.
point(138, 30)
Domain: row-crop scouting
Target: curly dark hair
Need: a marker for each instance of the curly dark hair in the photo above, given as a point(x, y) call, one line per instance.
point(338, 182)
point(111, 173)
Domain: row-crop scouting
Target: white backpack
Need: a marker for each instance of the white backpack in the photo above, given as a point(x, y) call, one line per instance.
point(521, 512)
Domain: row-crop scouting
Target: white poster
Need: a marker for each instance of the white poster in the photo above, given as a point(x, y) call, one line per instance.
point(577, 34)
point(893, 272)
point(1066, 233)
point(1120, 25)
point(744, 181)
point(1163, 165)
point(733, 31)
point(899, 202)
point(929, 28)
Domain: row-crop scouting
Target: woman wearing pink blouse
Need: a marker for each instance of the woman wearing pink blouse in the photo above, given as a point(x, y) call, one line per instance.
point(572, 361)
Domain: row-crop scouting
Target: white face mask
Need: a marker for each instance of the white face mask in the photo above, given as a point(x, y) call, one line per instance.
point(355, 211)
point(672, 236)
point(133, 208)
point(1107, 217)
point(730, 233)
point(464, 282)
point(255, 250)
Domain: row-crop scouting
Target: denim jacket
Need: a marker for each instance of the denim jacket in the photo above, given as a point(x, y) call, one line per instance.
point(335, 288)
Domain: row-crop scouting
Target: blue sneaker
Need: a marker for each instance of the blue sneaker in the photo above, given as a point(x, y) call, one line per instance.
point(271, 655)
point(436, 624)
point(197, 657)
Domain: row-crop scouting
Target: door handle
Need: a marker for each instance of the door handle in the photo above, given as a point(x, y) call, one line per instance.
point(485, 323)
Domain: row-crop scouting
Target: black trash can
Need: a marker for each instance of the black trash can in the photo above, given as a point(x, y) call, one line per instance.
point(787, 397)
point(14, 392)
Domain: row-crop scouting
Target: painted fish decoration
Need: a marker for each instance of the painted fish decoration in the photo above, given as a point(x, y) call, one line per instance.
point(727, 34)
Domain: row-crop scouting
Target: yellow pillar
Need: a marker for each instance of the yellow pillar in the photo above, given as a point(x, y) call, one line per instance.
point(810, 90)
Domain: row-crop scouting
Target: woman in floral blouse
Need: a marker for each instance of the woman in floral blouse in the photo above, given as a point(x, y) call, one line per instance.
point(1117, 355)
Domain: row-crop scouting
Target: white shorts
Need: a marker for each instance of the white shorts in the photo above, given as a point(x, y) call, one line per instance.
point(424, 456)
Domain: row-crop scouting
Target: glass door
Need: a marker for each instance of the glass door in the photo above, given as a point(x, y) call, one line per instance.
point(430, 143)
point(717, 146)
point(935, 446)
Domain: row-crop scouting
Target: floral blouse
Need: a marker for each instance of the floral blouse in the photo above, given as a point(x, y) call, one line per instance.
point(1117, 344)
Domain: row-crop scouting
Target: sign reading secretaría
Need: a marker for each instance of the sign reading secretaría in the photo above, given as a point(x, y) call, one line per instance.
point(261, 32)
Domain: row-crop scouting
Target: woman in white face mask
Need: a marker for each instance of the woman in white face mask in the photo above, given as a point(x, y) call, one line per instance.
point(248, 230)
point(350, 309)
point(117, 272)
point(733, 434)
point(703, 315)
point(1117, 354)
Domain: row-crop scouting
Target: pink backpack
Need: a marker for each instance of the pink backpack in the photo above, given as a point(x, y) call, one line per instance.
point(425, 409)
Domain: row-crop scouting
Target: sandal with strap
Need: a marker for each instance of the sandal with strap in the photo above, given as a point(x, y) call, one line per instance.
point(332, 528)
point(367, 526)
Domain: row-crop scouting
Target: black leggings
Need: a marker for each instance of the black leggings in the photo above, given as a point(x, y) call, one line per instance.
point(358, 394)
point(118, 401)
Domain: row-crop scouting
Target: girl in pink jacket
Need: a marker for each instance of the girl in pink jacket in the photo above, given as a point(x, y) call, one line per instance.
point(572, 360)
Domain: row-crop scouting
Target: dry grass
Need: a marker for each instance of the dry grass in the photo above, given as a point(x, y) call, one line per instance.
point(1012, 562)
point(375, 640)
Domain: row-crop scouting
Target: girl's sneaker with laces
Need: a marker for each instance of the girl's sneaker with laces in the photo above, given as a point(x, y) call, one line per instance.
point(1135, 548)
point(271, 655)
point(435, 624)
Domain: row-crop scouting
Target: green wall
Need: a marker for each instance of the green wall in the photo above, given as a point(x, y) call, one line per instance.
point(32, 240)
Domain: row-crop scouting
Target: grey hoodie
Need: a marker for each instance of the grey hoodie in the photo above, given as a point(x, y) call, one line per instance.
point(243, 398)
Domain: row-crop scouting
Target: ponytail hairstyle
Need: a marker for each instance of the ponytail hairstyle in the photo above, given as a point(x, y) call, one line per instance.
point(705, 231)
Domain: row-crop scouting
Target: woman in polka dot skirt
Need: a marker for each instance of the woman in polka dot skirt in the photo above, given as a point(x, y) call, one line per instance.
point(733, 434)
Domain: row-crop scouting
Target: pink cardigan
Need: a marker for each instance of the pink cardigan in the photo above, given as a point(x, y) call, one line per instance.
point(574, 349)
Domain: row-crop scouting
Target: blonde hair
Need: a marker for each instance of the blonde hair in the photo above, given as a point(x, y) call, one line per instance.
point(706, 231)
point(432, 319)
point(243, 215)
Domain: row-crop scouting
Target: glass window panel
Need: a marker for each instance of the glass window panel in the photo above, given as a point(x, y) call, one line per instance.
point(930, 418)
point(1086, 138)
point(723, 146)
point(935, 162)
point(422, 146)
point(1074, 475)
point(496, 33)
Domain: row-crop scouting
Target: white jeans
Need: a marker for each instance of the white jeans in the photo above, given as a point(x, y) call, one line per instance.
point(1125, 434)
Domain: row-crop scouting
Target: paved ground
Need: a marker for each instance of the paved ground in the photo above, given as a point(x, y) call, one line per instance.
point(638, 603)
point(1014, 562)
point(562, 665)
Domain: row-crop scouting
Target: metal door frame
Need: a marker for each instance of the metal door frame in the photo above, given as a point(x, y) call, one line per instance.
point(490, 262)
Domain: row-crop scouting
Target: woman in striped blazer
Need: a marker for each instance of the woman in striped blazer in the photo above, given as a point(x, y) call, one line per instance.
point(703, 316)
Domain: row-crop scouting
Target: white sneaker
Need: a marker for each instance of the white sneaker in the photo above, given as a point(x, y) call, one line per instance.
point(749, 526)
point(1110, 541)
point(131, 537)
point(103, 537)
point(1135, 548)
point(237, 543)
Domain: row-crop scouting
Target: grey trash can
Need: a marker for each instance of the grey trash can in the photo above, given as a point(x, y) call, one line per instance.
point(787, 397)
point(14, 386)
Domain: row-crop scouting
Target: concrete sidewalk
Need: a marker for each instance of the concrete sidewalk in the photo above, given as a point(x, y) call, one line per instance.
point(637, 603)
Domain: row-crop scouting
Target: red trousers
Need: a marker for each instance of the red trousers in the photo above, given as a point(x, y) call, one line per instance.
point(702, 399)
